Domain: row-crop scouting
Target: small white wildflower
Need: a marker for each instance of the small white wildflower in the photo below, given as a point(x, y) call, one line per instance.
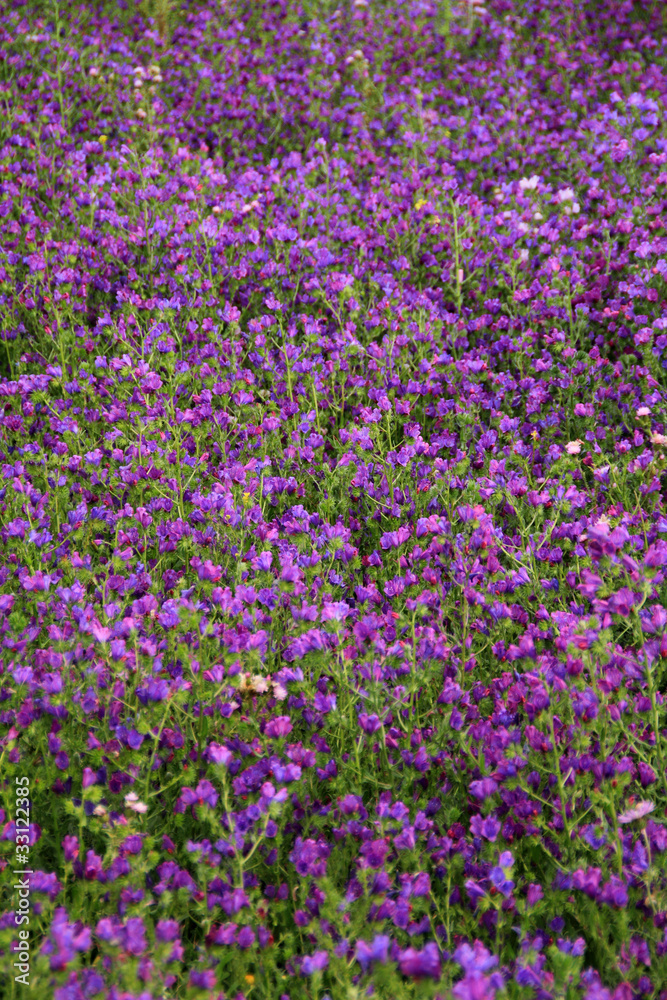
point(565, 194)
point(659, 439)
point(573, 447)
point(99, 810)
point(538, 216)
point(523, 255)
point(279, 692)
point(141, 113)
point(93, 71)
point(529, 183)
point(643, 411)
point(132, 802)
point(576, 208)
point(256, 683)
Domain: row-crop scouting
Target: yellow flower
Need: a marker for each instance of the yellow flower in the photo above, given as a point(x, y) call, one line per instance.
point(250, 979)
point(103, 139)
point(420, 204)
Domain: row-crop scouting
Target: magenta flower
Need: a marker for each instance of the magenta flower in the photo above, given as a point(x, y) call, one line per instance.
point(279, 726)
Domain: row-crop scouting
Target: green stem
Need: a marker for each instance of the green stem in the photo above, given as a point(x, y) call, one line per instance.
point(561, 787)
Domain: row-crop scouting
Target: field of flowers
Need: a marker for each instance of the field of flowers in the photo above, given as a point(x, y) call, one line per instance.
point(333, 459)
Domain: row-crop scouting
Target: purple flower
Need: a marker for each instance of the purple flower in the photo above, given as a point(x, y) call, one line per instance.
point(423, 964)
point(534, 895)
point(499, 874)
point(377, 951)
point(475, 958)
point(224, 935)
point(614, 893)
point(65, 940)
point(245, 938)
point(369, 723)
point(314, 963)
point(204, 980)
point(488, 827)
point(135, 936)
point(279, 726)
point(483, 789)
point(166, 930)
point(203, 794)
point(219, 754)
point(309, 857)
point(70, 846)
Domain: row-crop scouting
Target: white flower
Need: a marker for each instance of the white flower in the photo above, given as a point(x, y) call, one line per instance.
point(529, 183)
point(573, 447)
point(279, 692)
point(643, 411)
point(538, 216)
point(524, 255)
point(256, 683)
point(132, 802)
point(659, 439)
point(565, 194)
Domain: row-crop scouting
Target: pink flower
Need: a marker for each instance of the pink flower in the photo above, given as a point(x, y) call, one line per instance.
point(637, 811)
